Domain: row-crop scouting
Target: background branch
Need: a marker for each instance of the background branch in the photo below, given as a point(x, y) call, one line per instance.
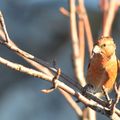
point(109, 12)
point(77, 63)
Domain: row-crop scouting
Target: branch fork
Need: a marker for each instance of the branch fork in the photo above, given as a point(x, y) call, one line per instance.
point(54, 82)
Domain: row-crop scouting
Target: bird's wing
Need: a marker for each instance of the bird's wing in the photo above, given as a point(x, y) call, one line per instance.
point(118, 64)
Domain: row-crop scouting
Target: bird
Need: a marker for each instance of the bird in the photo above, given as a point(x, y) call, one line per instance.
point(103, 66)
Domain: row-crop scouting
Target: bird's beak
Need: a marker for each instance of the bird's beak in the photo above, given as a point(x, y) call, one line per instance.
point(96, 49)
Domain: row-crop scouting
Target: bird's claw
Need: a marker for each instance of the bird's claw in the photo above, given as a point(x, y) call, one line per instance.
point(88, 89)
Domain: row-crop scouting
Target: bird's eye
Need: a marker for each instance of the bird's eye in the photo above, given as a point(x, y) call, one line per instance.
point(103, 45)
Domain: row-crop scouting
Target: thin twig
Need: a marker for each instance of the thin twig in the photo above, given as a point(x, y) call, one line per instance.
point(64, 11)
point(72, 103)
point(56, 77)
point(117, 91)
point(4, 27)
point(106, 94)
point(12, 46)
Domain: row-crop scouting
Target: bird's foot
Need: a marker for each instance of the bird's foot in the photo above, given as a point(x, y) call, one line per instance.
point(88, 89)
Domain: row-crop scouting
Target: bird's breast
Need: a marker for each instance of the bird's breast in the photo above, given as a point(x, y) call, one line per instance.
point(102, 71)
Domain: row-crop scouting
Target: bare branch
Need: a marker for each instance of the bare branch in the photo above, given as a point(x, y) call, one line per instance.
point(110, 17)
point(11, 45)
point(95, 106)
point(87, 26)
point(4, 27)
point(106, 94)
point(46, 91)
point(91, 114)
point(37, 63)
point(117, 91)
point(64, 11)
point(72, 103)
point(104, 5)
point(81, 41)
point(74, 41)
point(83, 23)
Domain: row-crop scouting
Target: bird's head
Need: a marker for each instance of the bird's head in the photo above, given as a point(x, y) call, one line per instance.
point(104, 46)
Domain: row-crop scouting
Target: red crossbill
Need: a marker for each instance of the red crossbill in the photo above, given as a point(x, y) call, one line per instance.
point(103, 66)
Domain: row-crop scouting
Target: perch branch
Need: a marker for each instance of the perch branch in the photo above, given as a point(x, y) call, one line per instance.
point(95, 106)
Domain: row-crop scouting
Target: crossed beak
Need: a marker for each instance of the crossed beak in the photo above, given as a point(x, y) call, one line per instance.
point(96, 49)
